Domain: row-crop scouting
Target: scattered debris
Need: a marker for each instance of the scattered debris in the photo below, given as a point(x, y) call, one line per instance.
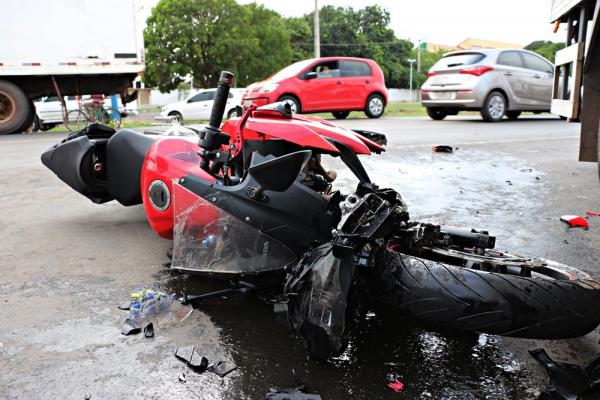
point(190, 356)
point(130, 327)
point(575, 221)
point(87, 396)
point(593, 213)
point(509, 183)
point(149, 330)
point(167, 265)
point(568, 380)
point(396, 386)
point(442, 148)
point(125, 306)
point(526, 169)
point(147, 302)
point(222, 368)
point(290, 394)
point(182, 378)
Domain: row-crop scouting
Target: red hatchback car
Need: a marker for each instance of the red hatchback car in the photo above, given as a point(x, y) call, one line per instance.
point(336, 84)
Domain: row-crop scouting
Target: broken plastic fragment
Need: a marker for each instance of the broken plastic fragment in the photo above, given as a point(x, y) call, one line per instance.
point(222, 368)
point(396, 386)
point(575, 221)
point(149, 330)
point(182, 378)
point(130, 327)
point(190, 356)
point(290, 394)
point(125, 306)
point(442, 149)
point(593, 213)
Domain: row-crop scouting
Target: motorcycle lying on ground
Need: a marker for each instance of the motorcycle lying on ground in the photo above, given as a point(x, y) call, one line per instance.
point(250, 200)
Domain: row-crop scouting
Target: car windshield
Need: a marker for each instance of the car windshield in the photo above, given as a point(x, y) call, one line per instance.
point(290, 70)
point(457, 60)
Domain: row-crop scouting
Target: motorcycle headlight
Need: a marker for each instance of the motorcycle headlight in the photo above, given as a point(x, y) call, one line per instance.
point(269, 87)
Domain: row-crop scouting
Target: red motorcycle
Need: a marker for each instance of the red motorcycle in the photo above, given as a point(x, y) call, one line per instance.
point(249, 200)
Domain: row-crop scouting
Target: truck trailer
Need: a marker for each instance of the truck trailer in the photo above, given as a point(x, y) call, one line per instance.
point(66, 48)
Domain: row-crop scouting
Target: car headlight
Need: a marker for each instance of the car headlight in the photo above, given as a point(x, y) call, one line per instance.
point(269, 87)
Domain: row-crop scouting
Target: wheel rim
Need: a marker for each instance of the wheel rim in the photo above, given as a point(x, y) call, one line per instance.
point(7, 107)
point(376, 106)
point(293, 105)
point(496, 107)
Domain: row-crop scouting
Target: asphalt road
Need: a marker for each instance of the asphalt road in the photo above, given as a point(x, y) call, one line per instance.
point(67, 264)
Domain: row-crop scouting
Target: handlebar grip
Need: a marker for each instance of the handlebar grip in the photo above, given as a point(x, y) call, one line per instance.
point(218, 109)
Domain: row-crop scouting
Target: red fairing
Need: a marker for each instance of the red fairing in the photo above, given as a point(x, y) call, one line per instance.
point(167, 160)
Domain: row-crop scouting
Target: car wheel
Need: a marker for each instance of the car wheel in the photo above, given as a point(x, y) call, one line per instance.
point(375, 106)
point(437, 114)
point(340, 114)
point(36, 124)
point(177, 116)
point(513, 114)
point(293, 102)
point(232, 113)
point(494, 107)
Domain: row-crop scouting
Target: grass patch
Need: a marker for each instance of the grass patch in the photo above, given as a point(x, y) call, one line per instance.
point(132, 123)
point(395, 109)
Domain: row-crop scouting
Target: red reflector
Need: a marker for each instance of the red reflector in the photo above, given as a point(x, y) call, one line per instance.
point(424, 91)
point(105, 63)
point(477, 71)
point(430, 73)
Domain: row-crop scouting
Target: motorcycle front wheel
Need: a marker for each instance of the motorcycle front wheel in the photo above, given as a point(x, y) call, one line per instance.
point(497, 293)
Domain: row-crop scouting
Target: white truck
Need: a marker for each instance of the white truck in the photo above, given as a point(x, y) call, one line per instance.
point(65, 48)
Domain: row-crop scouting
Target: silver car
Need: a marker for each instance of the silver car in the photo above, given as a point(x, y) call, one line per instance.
point(495, 82)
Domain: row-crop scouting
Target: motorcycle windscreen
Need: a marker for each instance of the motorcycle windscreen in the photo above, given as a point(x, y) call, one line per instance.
point(208, 240)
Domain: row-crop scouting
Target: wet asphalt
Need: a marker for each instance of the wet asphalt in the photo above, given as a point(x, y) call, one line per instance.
point(66, 264)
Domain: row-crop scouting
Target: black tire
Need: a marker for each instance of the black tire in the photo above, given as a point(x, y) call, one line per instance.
point(513, 114)
point(232, 113)
point(494, 107)
point(36, 124)
point(489, 302)
point(177, 115)
point(294, 103)
point(340, 114)
point(375, 106)
point(436, 113)
point(16, 110)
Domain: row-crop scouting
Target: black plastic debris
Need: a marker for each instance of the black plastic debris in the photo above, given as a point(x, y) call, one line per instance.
point(190, 356)
point(442, 148)
point(569, 381)
point(182, 378)
point(125, 306)
point(222, 368)
point(290, 394)
point(149, 330)
point(130, 327)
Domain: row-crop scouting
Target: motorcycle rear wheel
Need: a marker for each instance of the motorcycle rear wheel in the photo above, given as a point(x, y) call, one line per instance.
point(499, 293)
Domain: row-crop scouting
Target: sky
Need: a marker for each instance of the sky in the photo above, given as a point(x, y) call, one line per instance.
point(449, 21)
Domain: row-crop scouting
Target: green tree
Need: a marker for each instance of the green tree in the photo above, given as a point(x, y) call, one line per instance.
point(545, 48)
point(203, 37)
point(301, 37)
point(355, 33)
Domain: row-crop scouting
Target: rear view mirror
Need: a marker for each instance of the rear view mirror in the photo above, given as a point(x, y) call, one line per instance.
point(279, 173)
point(310, 75)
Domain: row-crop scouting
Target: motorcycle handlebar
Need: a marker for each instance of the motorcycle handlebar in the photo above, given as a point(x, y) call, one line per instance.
point(218, 109)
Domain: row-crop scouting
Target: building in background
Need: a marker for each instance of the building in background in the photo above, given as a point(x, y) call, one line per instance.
point(468, 44)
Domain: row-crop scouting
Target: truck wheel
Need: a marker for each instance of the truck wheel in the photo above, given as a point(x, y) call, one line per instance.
point(16, 110)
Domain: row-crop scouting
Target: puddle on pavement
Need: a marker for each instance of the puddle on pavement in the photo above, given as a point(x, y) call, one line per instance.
point(448, 188)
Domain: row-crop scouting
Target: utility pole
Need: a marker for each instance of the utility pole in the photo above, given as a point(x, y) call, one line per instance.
point(411, 61)
point(317, 32)
point(419, 56)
